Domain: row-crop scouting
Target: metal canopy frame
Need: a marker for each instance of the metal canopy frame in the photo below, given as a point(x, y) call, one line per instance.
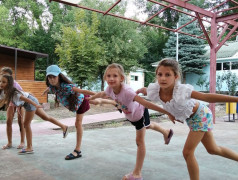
point(221, 29)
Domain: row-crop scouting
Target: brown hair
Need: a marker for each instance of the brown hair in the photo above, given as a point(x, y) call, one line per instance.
point(7, 70)
point(172, 63)
point(118, 67)
point(72, 99)
point(10, 89)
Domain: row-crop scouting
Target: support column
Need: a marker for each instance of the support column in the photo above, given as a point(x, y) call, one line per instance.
point(214, 42)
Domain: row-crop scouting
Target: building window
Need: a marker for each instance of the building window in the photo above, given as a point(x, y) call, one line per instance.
point(226, 66)
point(234, 65)
point(219, 66)
point(134, 78)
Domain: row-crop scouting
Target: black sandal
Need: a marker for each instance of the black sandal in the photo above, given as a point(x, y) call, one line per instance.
point(71, 156)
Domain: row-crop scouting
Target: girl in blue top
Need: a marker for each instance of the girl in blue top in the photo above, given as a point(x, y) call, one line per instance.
point(182, 102)
point(73, 99)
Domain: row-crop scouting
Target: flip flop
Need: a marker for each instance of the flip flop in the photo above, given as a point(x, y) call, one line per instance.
point(20, 147)
point(131, 177)
point(6, 147)
point(171, 132)
point(66, 132)
point(23, 151)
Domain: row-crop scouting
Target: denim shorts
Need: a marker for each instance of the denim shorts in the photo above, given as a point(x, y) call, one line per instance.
point(143, 122)
point(28, 106)
point(201, 120)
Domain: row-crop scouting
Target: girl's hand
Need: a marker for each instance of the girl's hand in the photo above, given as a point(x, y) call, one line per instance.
point(179, 121)
point(172, 118)
point(95, 101)
point(142, 90)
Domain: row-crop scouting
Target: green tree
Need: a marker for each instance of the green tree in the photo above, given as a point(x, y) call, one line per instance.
point(154, 40)
point(231, 82)
point(80, 49)
point(191, 50)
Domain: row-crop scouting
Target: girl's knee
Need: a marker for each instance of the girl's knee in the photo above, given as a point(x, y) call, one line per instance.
point(213, 151)
point(187, 153)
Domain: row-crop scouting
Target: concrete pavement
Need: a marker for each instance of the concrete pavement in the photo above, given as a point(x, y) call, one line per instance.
point(110, 153)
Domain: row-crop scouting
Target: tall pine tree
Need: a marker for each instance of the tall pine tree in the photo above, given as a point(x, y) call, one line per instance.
point(191, 50)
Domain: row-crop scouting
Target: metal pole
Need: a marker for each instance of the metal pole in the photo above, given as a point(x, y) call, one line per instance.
point(177, 43)
point(15, 64)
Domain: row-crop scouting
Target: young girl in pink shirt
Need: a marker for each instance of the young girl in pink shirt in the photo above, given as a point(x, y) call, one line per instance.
point(135, 109)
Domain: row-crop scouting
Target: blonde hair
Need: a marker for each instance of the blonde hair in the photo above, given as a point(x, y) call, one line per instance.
point(119, 68)
point(172, 63)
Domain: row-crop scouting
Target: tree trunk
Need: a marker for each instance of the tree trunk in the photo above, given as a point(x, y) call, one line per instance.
point(102, 82)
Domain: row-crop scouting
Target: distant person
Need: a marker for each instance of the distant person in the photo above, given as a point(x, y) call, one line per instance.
point(72, 98)
point(9, 94)
point(11, 109)
point(182, 102)
point(135, 109)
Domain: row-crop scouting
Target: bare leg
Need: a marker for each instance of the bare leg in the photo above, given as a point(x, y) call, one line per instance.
point(41, 113)
point(156, 127)
point(141, 150)
point(27, 124)
point(212, 148)
point(21, 126)
point(10, 116)
point(79, 135)
point(192, 141)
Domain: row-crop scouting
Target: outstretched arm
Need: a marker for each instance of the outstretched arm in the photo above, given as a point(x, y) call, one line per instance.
point(155, 107)
point(23, 98)
point(212, 97)
point(45, 91)
point(142, 90)
point(83, 91)
point(101, 94)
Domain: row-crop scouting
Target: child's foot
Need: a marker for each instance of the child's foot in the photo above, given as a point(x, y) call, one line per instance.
point(131, 177)
point(21, 146)
point(168, 137)
point(65, 132)
point(7, 146)
point(26, 151)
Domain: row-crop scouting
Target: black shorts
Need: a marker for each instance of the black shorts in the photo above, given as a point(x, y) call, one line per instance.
point(143, 122)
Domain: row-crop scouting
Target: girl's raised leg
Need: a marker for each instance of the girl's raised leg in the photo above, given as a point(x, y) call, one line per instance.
point(193, 139)
point(41, 113)
point(166, 132)
point(212, 148)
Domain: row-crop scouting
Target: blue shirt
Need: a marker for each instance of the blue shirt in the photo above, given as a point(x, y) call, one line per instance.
point(64, 92)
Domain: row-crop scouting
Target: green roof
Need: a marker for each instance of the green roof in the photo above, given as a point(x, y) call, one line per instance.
point(229, 49)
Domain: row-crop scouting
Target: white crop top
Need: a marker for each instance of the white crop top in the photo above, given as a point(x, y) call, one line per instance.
point(181, 105)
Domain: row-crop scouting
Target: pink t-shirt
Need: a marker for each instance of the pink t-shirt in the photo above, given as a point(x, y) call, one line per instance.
point(132, 109)
point(16, 85)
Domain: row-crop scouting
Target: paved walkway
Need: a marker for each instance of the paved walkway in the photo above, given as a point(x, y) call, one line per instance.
point(110, 153)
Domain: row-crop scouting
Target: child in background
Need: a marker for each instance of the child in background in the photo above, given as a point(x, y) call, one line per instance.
point(9, 93)
point(134, 109)
point(181, 101)
point(11, 109)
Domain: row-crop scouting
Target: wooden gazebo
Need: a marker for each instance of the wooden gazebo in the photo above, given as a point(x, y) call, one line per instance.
point(22, 63)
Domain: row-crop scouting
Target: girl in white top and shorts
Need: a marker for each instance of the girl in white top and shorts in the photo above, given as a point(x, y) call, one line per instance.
point(182, 102)
point(20, 98)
